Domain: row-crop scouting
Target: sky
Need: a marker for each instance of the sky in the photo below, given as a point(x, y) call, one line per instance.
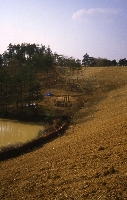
point(70, 27)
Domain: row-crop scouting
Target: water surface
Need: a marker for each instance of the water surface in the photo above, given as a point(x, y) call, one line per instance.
point(12, 131)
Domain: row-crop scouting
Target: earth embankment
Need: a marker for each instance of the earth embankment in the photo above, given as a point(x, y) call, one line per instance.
point(90, 160)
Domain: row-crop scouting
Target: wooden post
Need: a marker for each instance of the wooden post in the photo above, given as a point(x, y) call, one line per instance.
point(68, 97)
point(77, 78)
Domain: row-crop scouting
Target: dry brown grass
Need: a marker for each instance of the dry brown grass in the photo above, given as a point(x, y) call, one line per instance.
point(90, 160)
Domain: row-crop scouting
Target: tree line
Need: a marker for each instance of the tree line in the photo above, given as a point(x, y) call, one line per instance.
point(19, 80)
point(91, 61)
point(44, 58)
point(39, 54)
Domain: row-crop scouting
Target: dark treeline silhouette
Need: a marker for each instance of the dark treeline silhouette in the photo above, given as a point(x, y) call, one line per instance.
point(19, 81)
point(91, 61)
point(38, 54)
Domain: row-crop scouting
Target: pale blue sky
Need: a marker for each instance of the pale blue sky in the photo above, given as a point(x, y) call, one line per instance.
point(70, 27)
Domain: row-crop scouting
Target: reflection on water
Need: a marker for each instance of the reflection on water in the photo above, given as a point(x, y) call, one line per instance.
point(12, 131)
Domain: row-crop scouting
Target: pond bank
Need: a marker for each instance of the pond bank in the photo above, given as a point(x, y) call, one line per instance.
point(57, 128)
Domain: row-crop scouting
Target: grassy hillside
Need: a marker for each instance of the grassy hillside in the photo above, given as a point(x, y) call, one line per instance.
point(89, 161)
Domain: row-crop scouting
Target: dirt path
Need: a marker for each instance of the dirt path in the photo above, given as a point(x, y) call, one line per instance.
point(89, 161)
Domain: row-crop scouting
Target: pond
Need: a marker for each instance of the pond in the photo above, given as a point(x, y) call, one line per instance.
point(13, 131)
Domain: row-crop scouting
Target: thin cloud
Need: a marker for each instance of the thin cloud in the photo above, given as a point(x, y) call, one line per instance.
point(82, 13)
